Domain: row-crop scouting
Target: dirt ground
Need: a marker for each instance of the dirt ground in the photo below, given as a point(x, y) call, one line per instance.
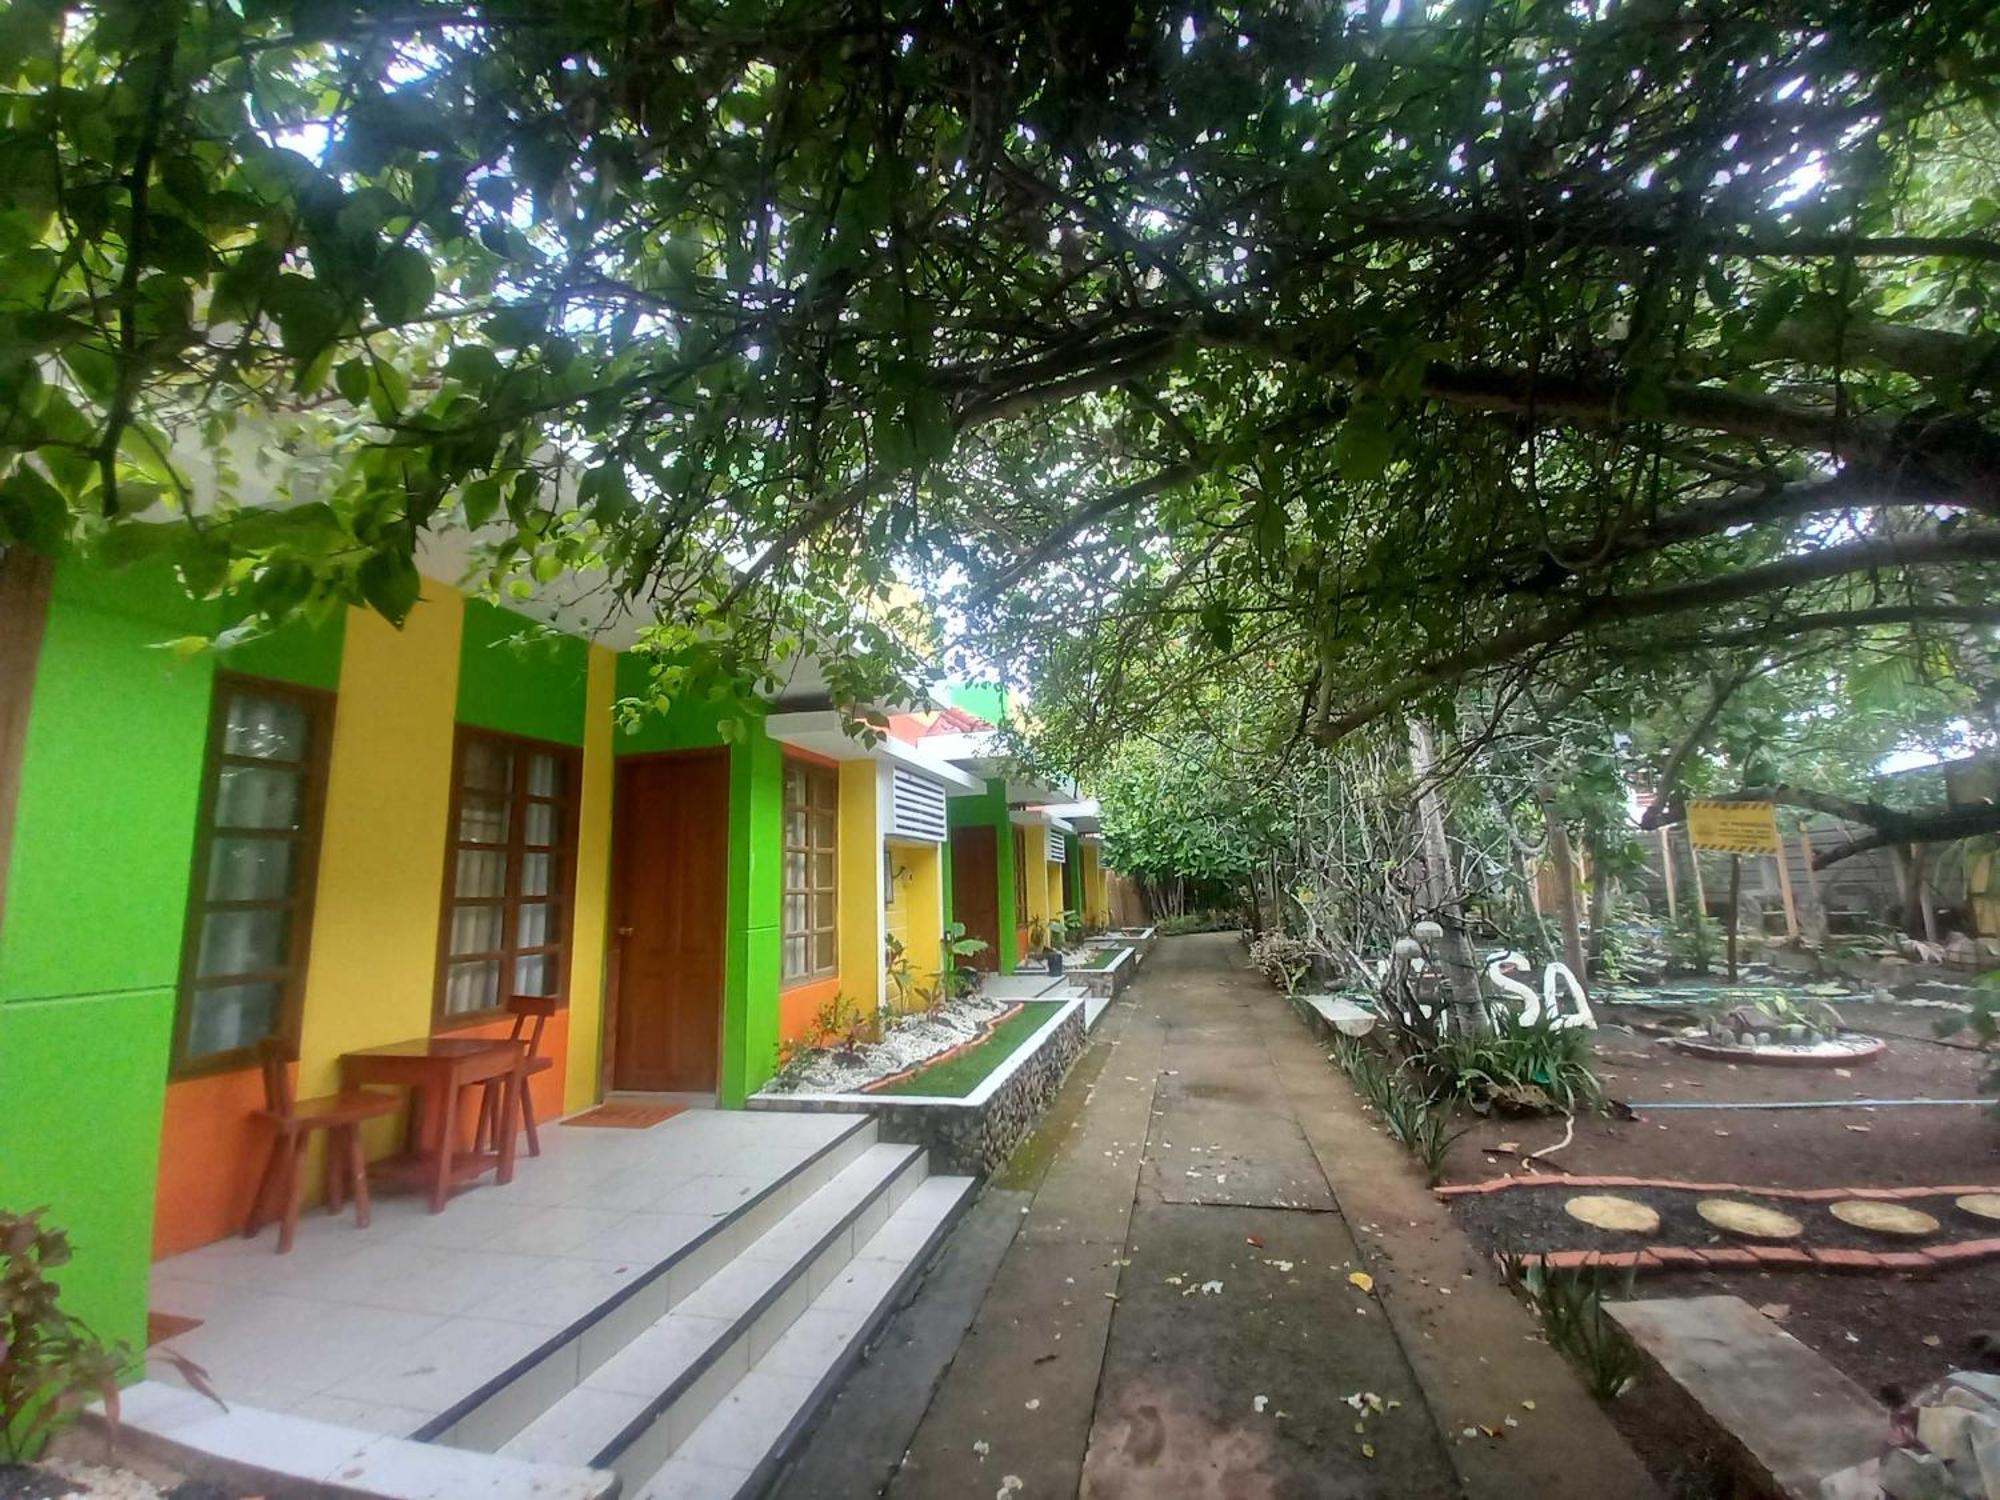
point(1892, 1335)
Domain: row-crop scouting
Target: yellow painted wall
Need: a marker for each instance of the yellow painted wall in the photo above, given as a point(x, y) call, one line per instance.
point(1033, 839)
point(593, 888)
point(914, 916)
point(861, 976)
point(1093, 886)
point(381, 864)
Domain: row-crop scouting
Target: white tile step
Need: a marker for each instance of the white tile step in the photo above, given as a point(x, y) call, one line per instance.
point(734, 1451)
point(499, 1409)
point(637, 1406)
point(244, 1447)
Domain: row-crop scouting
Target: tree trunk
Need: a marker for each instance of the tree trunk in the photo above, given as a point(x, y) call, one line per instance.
point(1600, 909)
point(1565, 867)
point(1461, 972)
point(1735, 896)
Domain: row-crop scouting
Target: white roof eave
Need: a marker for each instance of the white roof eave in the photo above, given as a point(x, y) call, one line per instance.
point(821, 731)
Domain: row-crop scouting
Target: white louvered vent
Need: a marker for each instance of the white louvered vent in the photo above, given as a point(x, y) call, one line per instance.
point(1058, 851)
point(916, 808)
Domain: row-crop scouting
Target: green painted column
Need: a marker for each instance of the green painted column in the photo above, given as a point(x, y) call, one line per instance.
point(756, 903)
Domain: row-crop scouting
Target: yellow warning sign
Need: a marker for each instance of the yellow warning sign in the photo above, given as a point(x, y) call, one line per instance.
point(1734, 827)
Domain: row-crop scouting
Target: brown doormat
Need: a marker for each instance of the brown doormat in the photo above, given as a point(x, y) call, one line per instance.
point(626, 1116)
point(162, 1326)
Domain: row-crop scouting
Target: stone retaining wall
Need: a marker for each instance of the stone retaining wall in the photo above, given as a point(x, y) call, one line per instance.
point(978, 1138)
point(978, 1133)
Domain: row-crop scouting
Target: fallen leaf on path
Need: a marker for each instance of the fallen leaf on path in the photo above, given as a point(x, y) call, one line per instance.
point(1211, 1288)
point(982, 1448)
point(1931, 1341)
point(1011, 1485)
point(1362, 1280)
point(1722, 1132)
point(1777, 1312)
point(1251, 1239)
point(1527, 1406)
point(1258, 1403)
point(1508, 1146)
point(1861, 1129)
point(1042, 1359)
point(1367, 1450)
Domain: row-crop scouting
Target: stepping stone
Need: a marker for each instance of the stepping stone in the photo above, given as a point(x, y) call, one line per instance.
point(1980, 1205)
point(1884, 1218)
point(1750, 1221)
point(1607, 1211)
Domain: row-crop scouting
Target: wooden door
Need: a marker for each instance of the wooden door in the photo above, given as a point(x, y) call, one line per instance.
point(670, 889)
point(975, 890)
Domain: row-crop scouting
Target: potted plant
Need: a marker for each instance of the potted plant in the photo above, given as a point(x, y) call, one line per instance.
point(959, 976)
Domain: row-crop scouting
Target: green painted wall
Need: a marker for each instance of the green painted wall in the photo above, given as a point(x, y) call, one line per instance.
point(96, 902)
point(110, 781)
point(84, 1080)
point(516, 679)
point(1073, 874)
point(989, 810)
point(302, 652)
point(96, 897)
point(756, 870)
point(986, 700)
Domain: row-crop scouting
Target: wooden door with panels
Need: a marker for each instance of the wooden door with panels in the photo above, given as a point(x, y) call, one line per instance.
point(670, 884)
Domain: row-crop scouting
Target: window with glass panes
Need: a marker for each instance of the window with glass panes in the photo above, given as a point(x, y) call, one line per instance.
point(812, 820)
point(250, 895)
point(509, 877)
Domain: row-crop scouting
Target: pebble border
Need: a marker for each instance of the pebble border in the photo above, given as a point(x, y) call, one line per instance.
point(1745, 1257)
point(876, 1085)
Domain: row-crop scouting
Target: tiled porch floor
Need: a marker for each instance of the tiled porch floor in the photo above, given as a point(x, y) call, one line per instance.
point(384, 1328)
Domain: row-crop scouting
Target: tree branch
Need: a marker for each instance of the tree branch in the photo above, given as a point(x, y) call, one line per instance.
point(1589, 614)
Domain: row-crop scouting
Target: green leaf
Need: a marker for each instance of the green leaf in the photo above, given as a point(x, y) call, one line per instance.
point(403, 285)
point(32, 511)
point(480, 502)
point(389, 581)
point(351, 380)
point(1364, 447)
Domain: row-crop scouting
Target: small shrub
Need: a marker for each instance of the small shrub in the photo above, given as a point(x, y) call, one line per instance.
point(1282, 959)
point(1527, 1067)
point(1692, 941)
point(1571, 1304)
point(49, 1362)
point(1984, 1024)
point(1431, 1139)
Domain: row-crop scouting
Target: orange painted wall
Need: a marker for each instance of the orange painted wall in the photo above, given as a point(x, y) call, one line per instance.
point(799, 1004)
point(211, 1155)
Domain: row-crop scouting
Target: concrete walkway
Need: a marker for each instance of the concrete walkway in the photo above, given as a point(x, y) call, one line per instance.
point(1184, 1308)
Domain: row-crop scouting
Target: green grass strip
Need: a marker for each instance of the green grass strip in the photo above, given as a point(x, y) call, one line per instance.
point(958, 1076)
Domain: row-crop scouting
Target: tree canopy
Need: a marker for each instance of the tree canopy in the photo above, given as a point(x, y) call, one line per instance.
point(1377, 348)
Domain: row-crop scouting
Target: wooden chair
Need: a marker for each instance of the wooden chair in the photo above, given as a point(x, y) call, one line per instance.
point(531, 1014)
point(293, 1122)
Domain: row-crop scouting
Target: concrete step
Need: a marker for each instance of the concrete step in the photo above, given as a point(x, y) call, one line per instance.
point(634, 1410)
point(498, 1410)
point(736, 1449)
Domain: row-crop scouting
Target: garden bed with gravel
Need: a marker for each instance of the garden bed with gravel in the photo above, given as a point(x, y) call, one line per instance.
point(907, 1042)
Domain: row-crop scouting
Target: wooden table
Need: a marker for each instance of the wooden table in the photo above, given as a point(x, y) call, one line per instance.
point(436, 1070)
